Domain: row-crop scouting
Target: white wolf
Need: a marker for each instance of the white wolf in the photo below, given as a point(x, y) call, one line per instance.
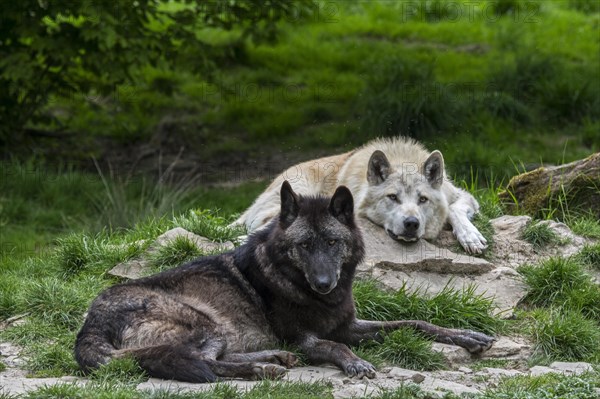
point(397, 184)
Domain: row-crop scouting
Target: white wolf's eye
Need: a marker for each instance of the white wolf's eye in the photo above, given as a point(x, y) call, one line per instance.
point(423, 199)
point(393, 197)
point(331, 242)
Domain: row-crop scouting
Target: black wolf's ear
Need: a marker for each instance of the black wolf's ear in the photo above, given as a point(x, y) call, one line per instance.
point(341, 205)
point(433, 169)
point(289, 204)
point(379, 168)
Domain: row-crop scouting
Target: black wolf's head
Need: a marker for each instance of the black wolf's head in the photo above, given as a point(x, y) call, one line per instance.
point(319, 237)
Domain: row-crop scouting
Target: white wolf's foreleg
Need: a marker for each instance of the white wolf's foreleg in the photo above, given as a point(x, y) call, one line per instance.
point(462, 208)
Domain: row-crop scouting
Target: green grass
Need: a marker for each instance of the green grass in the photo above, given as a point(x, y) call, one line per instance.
point(210, 224)
point(449, 308)
point(589, 256)
point(565, 335)
point(586, 226)
point(548, 386)
point(562, 282)
point(565, 316)
point(540, 235)
point(175, 253)
point(403, 348)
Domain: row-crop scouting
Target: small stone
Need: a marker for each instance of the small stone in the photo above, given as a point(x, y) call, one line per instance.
point(540, 370)
point(496, 372)
point(465, 370)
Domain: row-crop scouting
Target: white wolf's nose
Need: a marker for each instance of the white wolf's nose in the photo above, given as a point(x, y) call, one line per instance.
point(411, 224)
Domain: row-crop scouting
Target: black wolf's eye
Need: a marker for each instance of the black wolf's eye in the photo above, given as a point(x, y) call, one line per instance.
point(331, 242)
point(393, 197)
point(423, 199)
point(304, 244)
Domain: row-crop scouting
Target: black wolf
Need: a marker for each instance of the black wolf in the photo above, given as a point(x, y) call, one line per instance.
point(223, 316)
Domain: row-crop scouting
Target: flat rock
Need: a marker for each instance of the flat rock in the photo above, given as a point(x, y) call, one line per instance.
point(511, 251)
point(509, 348)
point(421, 256)
point(17, 386)
point(156, 384)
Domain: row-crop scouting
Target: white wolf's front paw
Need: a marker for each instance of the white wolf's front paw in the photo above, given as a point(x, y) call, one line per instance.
point(471, 240)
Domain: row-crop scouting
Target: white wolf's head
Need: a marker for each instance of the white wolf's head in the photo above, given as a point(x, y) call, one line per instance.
point(406, 199)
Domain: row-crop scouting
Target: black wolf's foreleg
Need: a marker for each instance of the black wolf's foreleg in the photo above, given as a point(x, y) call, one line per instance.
point(324, 351)
point(365, 330)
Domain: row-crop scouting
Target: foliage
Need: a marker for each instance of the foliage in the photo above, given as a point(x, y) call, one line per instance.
point(86, 48)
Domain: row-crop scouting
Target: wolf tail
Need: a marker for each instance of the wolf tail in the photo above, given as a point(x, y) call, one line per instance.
point(94, 348)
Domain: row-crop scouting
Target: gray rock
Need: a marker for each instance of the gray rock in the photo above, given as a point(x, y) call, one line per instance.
point(465, 370)
point(575, 368)
point(436, 385)
point(506, 348)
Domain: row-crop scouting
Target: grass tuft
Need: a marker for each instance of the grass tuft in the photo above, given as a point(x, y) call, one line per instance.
point(589, 256)
point(587, 226)
point(561, 282)
point(540, 235)
point(119, 371)
point(57, 301)
point(564, 335)
point(404, 348)
point(175, 253)
point(209, 224)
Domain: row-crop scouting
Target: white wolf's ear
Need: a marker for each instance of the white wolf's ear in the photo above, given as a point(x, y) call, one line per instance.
point(289, 205)
point(433, 169)
point(379, 168)
point(341, 205)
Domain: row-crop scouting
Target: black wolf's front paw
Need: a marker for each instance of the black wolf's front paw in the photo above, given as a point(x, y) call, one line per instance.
point(285, 358)
point(359, 368)
point(473, 341)
point(268, 371)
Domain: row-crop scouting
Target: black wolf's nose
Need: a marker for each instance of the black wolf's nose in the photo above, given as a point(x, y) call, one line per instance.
point(411, 224)
point(323, 284)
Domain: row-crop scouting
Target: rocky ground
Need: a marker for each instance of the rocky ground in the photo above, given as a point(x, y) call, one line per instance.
point(425, 266)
